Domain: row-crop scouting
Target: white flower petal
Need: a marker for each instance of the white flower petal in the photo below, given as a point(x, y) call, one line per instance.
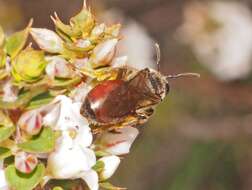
point(80, 92)
point(53, 114)
point(3, 181)
point(119, 143)
point(91, 179)
point(70, 159)
point(111, 164)
point(68, 115)
point(47, 40)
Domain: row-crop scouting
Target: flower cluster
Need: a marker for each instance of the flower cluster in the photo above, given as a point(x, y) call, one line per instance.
point(43, 136)
point(216, 31)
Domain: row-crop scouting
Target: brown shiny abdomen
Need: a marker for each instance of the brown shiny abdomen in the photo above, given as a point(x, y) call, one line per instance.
point(109, 102)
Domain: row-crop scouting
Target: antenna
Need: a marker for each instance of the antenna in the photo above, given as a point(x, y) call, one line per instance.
point(158, 52)
point(183, 75)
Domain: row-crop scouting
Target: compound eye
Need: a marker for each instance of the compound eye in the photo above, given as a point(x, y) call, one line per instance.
point(86, 110)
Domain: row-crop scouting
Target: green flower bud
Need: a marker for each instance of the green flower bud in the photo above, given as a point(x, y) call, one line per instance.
point(29, 65)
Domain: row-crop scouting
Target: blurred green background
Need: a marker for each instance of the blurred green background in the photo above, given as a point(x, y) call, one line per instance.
point(200, 136)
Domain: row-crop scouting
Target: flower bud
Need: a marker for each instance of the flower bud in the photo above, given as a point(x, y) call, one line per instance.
point(29, 65)
point(111, 163)
point(83, 43)
point(10, 92)
point(25, 162)
point(58, 67)
point(98, 30)
point(104, 53)
point(31, 122)
point(47, 40)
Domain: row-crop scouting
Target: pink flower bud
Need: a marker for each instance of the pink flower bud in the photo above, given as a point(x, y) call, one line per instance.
point(31, 122)
point(25, 162)
point(58, 67)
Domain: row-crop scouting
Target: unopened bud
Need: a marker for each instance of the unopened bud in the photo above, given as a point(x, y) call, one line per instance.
point(25, 162)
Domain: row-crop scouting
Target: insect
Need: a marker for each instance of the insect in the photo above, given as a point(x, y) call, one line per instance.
point(112, 102)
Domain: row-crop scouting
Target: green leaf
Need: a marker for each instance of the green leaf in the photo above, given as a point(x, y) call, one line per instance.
point(2, 59)
point(40, 100)
point(99, 166)
point(29, 65)
point(65, 29)
point(42, 143)
point(65, 83)
point(2, 36)
point(101, 153)
point(4, 153)
point(6, 132)
point(109, 186)
point(83, 21)
point(16, 42)
point(6, 127)
point(21, 181)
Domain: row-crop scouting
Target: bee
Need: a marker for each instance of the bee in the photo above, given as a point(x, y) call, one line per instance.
point(129, 99)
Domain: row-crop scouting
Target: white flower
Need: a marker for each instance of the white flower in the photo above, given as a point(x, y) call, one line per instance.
point(72, 161)
point(30, 122)
point(111, 164)
point(64, 114)
point(136, 40)
point(118, 143)
point(58, 67)
point(72, 158)
point(25, 162)
point(47, 40)
point(220, 34)
point(10, 93)
point(104, 52)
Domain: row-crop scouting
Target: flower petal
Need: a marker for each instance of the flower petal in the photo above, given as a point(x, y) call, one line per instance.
point(3, 181)
point(70, 159)
point(119, 143)
point(111, 163)
point(91, 178)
